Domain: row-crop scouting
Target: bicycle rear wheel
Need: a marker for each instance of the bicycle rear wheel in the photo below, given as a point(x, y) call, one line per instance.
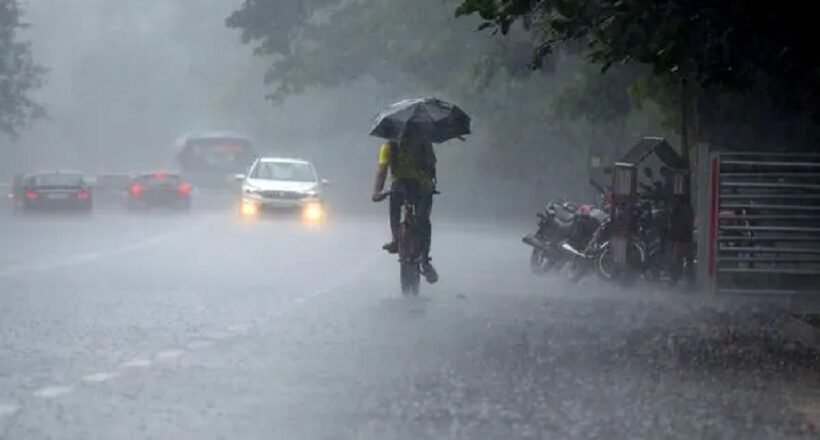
point(410, 279)
point(409, 272)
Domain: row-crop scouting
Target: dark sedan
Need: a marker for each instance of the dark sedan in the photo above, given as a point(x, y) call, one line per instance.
point(15, 194)
point(159, 190)
point(55, 191)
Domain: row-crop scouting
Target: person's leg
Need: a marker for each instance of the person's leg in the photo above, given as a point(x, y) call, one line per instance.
point(424, 206)
point(396, 200)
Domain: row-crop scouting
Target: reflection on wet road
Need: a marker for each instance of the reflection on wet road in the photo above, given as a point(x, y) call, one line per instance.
point(201, 327)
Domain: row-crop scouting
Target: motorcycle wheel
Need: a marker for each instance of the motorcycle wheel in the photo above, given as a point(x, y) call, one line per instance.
point(653, 269)
point(577, 270)
point(606, 269)
point(540, 262)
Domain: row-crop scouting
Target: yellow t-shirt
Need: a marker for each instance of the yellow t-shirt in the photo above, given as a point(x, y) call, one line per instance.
point(408, 164)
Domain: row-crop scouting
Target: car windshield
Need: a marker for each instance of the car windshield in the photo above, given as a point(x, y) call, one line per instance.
point(45, 180)
point(288, 171)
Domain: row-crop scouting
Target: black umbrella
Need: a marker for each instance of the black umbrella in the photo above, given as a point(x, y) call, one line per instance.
point(427, 119)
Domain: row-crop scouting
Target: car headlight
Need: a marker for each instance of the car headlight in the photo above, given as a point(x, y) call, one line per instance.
point(250, 190)
point(249, 208)
point(311, 193)
point(313, 212)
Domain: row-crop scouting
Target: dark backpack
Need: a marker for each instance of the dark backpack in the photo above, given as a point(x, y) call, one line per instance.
point(427, 165)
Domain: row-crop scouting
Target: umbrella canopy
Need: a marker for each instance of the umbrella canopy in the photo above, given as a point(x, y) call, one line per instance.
point(428, 119)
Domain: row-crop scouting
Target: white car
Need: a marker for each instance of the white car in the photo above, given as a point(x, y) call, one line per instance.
point(275, 184)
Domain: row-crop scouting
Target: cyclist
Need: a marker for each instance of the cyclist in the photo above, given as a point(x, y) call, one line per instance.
point(412, 166)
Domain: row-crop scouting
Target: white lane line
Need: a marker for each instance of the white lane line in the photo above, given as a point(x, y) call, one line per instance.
point(99, 377)
point(137, 363)
point(77, 259)
point(7, 410)
point(52, 392)
point(200, 344)
point(170, 354)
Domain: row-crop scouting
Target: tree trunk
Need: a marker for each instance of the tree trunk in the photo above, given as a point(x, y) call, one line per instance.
point(689, 121)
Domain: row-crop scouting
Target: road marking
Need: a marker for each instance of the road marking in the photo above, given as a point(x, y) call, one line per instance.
point(137, 363)
point(170, 354)
point(52, 392)
point(200, 344)
point(85, 257)
point(99, 377)
point(7, 410)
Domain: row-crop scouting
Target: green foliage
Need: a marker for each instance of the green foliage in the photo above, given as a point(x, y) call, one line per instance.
point(19, 74)
point(722, 45)
point(411, 45)
point(418, 45)
point(329, 43)
point(598, 97)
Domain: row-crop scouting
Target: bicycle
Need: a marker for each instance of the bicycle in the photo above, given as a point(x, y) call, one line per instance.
point(410, 244)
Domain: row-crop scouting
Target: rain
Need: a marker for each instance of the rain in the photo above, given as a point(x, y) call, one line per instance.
point(408, 219)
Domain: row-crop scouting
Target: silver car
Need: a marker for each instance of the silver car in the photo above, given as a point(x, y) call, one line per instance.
point(275, 184)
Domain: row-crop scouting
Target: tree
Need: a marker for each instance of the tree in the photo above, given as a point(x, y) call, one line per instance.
point(19, 73)
point(418, 46)
point(714, 42)
point(329, 43)
point(728, 50)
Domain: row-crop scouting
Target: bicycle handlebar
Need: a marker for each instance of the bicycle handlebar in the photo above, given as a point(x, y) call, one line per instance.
point(384, 194)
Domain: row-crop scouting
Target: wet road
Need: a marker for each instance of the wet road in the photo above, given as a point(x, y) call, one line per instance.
point(201, 327)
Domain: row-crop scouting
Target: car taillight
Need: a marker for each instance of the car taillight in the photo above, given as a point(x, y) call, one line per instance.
point(31, 195)
point(82, 195)
point(135, 190)
point(184, 189)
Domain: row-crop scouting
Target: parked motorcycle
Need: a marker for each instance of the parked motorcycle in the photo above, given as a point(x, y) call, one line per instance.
point(597, 254)
point(555, 225)
point(648, 249)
